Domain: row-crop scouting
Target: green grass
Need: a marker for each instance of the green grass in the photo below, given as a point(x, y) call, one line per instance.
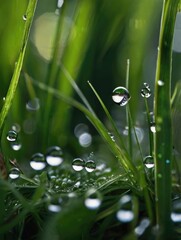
point(72, 87)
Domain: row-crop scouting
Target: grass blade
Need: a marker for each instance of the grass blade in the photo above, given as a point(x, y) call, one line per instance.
point(15, 78)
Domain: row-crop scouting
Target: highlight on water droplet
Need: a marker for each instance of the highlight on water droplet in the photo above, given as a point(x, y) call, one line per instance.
point(145, 91)
point(60, 3)
point(78, 164)
point(54, 156)
point(16, 146)
point(121, 96)
point(149, 161)
point(33, 104)
point(37, 161)
point(90, 165)
point(55, 205)
point(125, 214)
point(139, 230)
point(12, 136)
point(176, 211)
point(160, 83)
point(14, 173)
point(93, 199)
point(24, 17)
point(153, 127)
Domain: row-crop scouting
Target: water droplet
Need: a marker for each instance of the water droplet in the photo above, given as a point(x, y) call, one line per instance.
point(14, 173)
point(16, 127)
point(24, 17)
point(80, 129)
point(176, 211)
point(37, 161)
point(93, 199)
point(16, 146)
point(160, 83)
point(60, 3)
point(153, 127)
point(4, 99)
point(145, 91)
point(167, 161)
point(12, 136)
point(149, 161)
point(125, 214)
point(54, 156)
point(121, 96)
point(139, 230)
point(85, 139)
point(78, 164)
point(55, 205)
point(90, 166)
point(33, 104)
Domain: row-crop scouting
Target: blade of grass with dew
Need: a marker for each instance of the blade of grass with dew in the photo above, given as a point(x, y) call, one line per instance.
point(162, 110)
point(116, 132)
point(115, 149)
point(18, 66)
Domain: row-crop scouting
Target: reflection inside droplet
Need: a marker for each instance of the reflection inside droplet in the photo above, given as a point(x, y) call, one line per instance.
point(54, 156)
point(12, 136)
point(125, 216)
point(37, 161)
point(93, 199)
point(14, 173)
point(90, 166)
point(121, 96)
point(149, 161)
point(78, 164)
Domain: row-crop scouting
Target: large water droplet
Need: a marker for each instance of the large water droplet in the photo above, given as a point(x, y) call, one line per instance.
point(14, 173)
point(90, 165)
point(93, 199)
point(78, 164)
point(145, 91)
point(54, 156)
point(125, 214)
point(121, 96)
point(149, 161)
point(12, 136)
point(33, 104)
point(37, 161)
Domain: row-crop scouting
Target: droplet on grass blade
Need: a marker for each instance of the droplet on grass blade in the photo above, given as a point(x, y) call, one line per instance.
point(149, 161)
point(24, 17)
point(12, 136)
point(121, 96)
point(16, 146)
point(33, 104)
point(37, 161)
point(145, 91)
point(90, 165)
point(176, 211)
point(125, 214)
point(153, 127)
point(93, 199)
point(78, 164)
point(14, 173)
point(54, 156)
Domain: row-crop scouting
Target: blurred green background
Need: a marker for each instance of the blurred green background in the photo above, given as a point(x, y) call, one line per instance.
point(93, 40)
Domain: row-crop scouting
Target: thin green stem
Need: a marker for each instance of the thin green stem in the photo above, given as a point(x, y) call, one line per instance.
point(149, 125)
point(163, 135)
point(127, 113)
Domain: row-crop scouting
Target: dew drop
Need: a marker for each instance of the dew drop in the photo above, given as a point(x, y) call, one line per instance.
point(149, 161)
point(121, 96)
point(85, 139)
point(176, 211)
point(16, 146)
point(90, 166)
point(14, 173)
point(60, 3)
point(54, 156)
point(145, 91)
point(55, 205)
point(78, 164)
point(93, 199)
point(37, 161)
point(125, 214)
point(33, 104)
point(24, 17)
point(153, 127)
point(139, 230)
point(12, 136)
point(160, 83)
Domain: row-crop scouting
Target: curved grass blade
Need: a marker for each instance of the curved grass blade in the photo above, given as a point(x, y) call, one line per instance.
point(18, 66)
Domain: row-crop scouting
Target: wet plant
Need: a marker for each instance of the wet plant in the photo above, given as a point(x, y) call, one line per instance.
point(61, 195)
